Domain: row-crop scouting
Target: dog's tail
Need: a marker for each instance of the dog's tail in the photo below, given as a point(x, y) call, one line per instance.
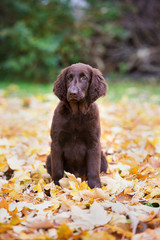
point(104, 163)
point(48, 164)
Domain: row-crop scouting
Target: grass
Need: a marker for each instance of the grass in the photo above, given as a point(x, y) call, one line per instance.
point(133, 89)
point(143, 90)
point(27, 88)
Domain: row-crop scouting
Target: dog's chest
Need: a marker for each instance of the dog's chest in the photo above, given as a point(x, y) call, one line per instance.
point(74, 151)
point(74, 131)
point(68, 139)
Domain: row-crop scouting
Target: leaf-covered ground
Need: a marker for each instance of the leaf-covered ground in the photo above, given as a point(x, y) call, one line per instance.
point(126, 207)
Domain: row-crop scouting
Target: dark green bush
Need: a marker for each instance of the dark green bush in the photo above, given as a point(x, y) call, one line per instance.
point(37, 39)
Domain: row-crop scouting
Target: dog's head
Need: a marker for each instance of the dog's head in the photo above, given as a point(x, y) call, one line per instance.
point(80, 83)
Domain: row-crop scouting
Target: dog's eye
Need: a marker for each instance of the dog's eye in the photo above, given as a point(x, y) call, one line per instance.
point(69, 78)
point(84, 78)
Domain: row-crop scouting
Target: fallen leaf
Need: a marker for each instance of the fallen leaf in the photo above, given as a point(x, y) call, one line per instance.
point(95, 216)
point(64, 232)
point(4, 215)
point(39, 222)
point(149, 234)
point(15, 163)
point(102, 235)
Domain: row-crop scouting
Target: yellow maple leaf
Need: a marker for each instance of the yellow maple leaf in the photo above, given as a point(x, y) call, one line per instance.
point(55, 206)
point(42, 169)
point(74, 193)
point(82, 186)
point(155, 192)
point(15, 218)
point(155, 141)
point(64, 232)
point(38, 188)
point(25, 177)
point(14, 195)
point(102, 235)
point(109, 158)
point(3, 164)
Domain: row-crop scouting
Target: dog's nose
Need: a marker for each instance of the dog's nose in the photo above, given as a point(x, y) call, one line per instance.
point(73, 92)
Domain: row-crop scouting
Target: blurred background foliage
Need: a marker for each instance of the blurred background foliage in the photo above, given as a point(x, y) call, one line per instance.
point(40, 37)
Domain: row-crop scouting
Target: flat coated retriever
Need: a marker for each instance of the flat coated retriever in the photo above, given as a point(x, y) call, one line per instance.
point(75, 130)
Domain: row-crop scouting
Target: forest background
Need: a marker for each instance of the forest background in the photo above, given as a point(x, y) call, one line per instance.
point(39, 38)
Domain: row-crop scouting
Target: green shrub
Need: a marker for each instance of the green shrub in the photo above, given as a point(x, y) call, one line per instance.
point(37, 39)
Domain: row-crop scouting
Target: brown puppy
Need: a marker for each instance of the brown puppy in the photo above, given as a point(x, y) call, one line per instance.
point(75, 130)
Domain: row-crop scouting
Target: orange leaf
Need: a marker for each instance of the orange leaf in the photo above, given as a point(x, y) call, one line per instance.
point(134, 170)
point(119, 230)
point(150, 148)
point(4, 204)
point(5, 227)
point(15, 218)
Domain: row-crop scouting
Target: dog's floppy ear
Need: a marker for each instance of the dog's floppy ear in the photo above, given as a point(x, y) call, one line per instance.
point(60, 86)
point(98, 86)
